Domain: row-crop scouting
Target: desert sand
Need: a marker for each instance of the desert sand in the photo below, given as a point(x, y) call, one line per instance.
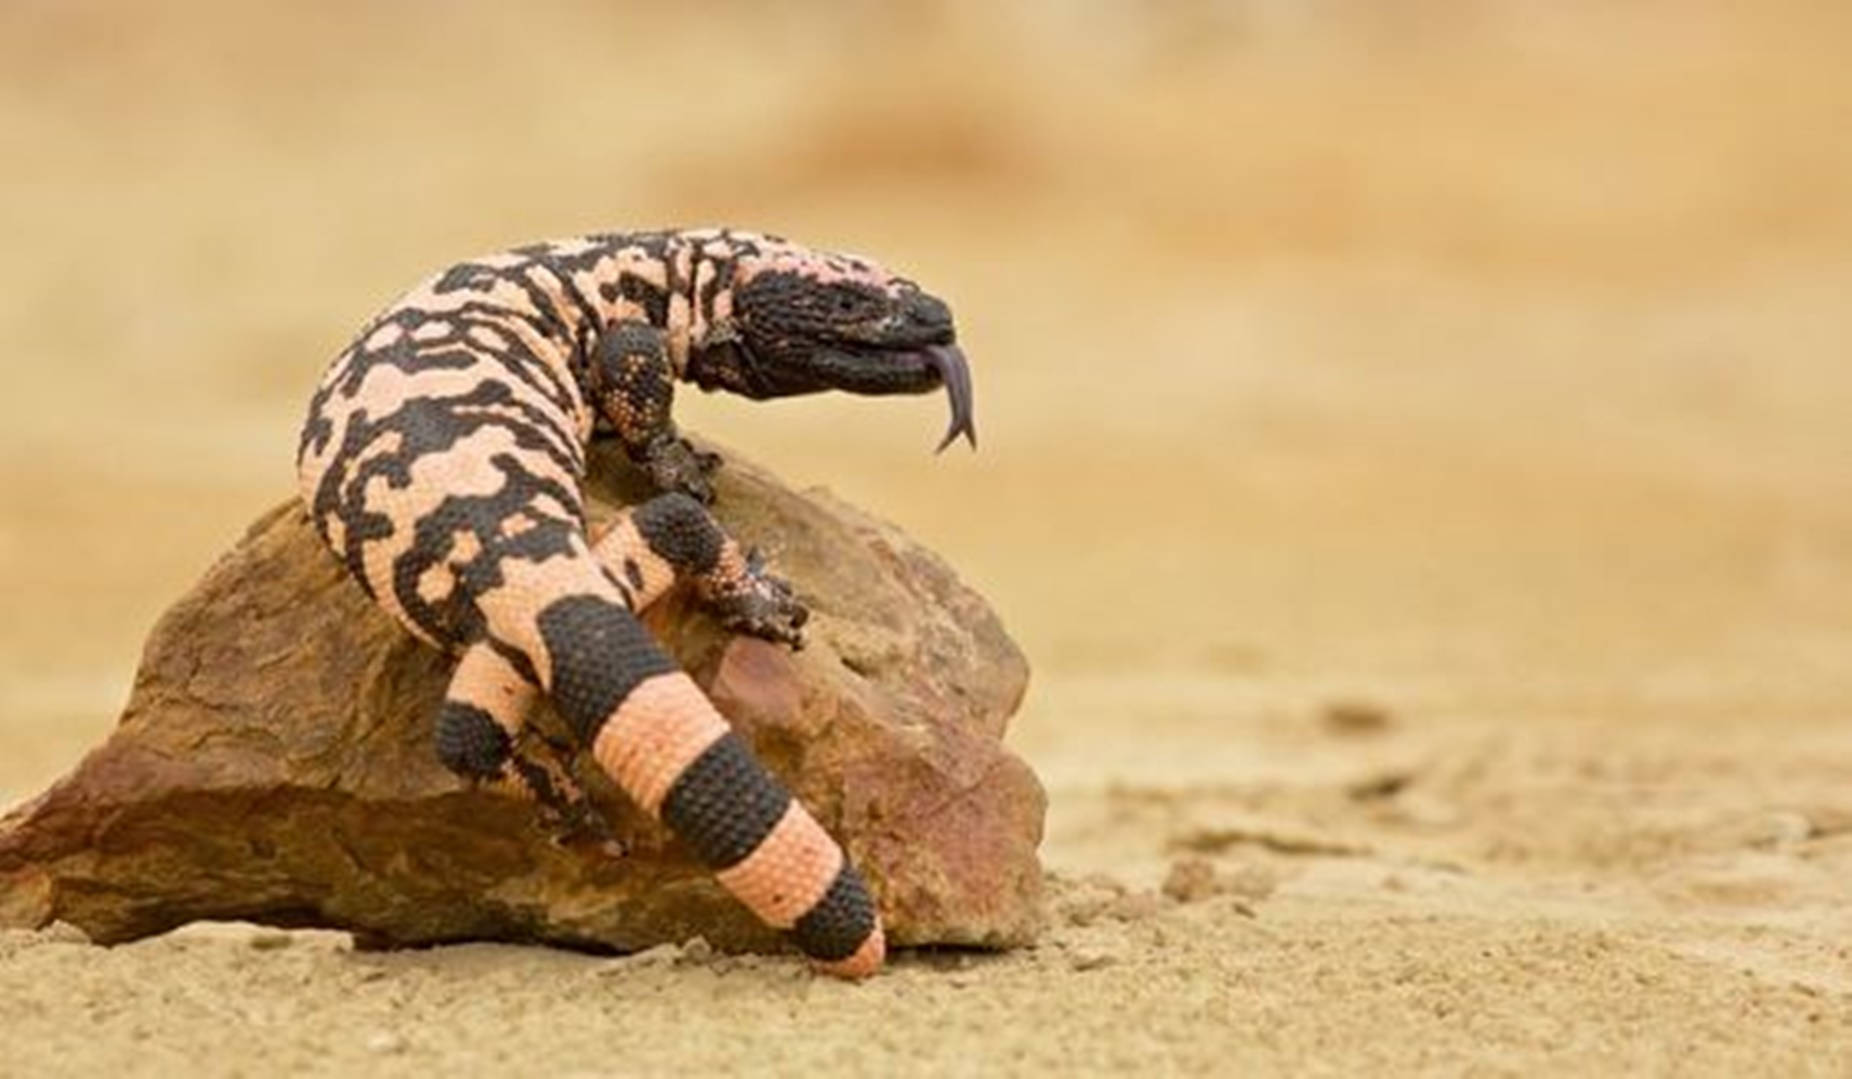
point(1415, 457)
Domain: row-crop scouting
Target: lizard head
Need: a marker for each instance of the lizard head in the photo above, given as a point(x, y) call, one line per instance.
point(803, 321)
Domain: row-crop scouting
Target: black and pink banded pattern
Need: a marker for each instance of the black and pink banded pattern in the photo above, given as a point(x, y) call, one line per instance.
point(442, 460)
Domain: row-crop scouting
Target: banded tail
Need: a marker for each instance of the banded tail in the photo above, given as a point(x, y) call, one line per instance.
point(662, 741)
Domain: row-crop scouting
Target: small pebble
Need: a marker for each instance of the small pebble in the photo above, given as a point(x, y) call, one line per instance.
point(385, 1042)
point(1251, 882)
point(1083, 902)
point(1780, 831)
point(63, 932)
point(662, 955)
point(269, 940)
point(1191, 880)
point(1090, 959)
point(1134, 907)
point(1194, 879)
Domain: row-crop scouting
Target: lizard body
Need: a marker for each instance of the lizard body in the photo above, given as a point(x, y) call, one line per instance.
point(442, 457)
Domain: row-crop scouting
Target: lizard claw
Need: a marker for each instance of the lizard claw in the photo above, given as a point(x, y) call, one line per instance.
point(674, 464)
point(766, 607)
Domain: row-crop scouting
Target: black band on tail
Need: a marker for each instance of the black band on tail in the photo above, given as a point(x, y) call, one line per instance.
point(724, 804)
point(840, 922)
point(599, 652)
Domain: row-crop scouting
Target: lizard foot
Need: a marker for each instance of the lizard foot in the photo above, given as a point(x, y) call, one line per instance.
point(762, 605)
point(674, 464)
point(538, 774)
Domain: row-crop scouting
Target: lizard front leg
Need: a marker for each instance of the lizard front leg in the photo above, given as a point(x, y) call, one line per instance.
point(672, 537)
point(633, 384)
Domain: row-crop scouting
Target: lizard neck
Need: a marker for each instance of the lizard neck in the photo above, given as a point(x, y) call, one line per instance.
point(714, 256)
point(626, 277)
point(679, 282)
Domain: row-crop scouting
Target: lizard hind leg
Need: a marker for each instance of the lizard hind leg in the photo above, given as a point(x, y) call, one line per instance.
point(488, 702)
point(482, 736)
point(486, 707)
point(484, 710)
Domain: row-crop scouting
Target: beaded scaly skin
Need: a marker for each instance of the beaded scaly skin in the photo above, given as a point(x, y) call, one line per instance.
point(442, 460)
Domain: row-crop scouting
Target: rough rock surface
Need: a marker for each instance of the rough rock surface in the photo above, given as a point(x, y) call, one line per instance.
point(275, 764)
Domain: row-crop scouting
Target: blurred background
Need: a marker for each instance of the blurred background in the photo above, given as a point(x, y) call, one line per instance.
point(1484, 362)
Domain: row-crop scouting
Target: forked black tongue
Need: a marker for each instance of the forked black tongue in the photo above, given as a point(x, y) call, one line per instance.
point(956, 374)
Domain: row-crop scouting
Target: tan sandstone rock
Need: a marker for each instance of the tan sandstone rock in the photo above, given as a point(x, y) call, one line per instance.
point(275, 764)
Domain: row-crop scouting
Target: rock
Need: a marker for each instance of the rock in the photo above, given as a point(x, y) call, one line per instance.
point(1251, 882)
point(1191, 880)
point(274, 763)
point(63, 932)
point(659, 955)
point(1087, 957)
point(1086, 900)
point(697, 950)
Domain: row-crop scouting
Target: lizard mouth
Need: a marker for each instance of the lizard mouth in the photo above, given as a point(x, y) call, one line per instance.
point(909, 369)
point(914, 370)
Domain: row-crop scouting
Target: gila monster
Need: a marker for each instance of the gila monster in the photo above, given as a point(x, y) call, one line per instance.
point(442, 459)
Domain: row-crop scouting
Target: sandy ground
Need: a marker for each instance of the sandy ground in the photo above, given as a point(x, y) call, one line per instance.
point(1415, 457)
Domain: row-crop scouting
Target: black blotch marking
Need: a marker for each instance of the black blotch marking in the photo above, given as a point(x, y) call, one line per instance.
point(546, 317)
point(537, 779)
point(599, 652)
point(724, 804)
point(720, 280)
point(841, 920)
point(456, 351)
point(457, 615)
point(652, 298)
point(633, 573)
point(624, 593)
point(469, 741)
point(657, 244)
point(522, 663)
